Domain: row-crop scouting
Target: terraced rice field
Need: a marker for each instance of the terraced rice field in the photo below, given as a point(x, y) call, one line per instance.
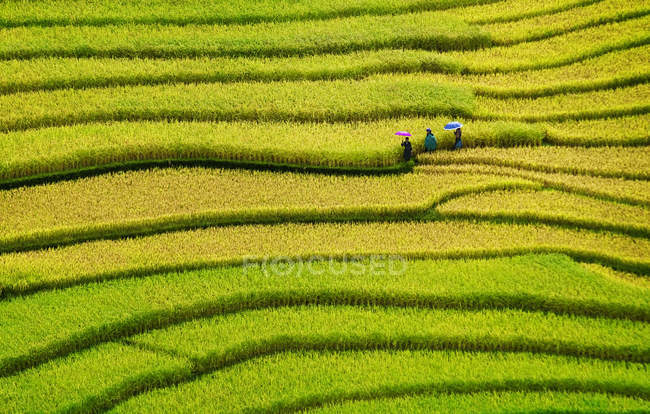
point(204, 207)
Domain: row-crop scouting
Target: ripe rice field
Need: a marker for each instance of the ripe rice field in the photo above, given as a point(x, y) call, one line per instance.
point(204, 206)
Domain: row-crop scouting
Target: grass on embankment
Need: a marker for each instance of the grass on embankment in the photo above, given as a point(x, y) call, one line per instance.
point(293, 381)
point(98, 260)
point(53, 323)
point(552, 207)
point(141, 202)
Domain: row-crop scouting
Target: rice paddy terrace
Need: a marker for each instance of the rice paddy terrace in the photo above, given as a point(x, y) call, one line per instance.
point(203, 207)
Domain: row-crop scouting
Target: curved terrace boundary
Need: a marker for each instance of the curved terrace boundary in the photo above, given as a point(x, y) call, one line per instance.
point(150, 321)
point(111, 400)
point(427, 211)
point(641, 268)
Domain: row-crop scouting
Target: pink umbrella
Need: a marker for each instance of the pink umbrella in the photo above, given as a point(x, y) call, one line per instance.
point(403, 134)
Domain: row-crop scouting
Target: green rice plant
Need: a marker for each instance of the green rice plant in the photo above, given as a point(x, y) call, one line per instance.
point(631, 100)
point(143, 202)
point(106, 259)
point(619, 190)
point(99, 13)
point(615, 69)
point(301, 380)
point(490, 402)
point(51, 324)
point(250, 331)
point(381, 97)
point(60, 73)
point(339, 35)
point(559, 50)
point(552, 207)
point(364, 145)
point(620, 162)
point(549, 25)
point(108, 370)
point(511, 10)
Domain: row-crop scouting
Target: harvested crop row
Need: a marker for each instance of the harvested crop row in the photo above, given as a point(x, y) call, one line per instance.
point(631, 163)
point(559, 50)
point(552, 207)
point(225, 335)
point(615, 69)
point(377, 98)
point(633, 100)
point(549, 25)
point(618, 190)
point(520, 401)
point(142, 202)
point(100, 13)
point(92, 377)
point(410, 31)
point(33, 270)
point(300, 380)
point(49, 324)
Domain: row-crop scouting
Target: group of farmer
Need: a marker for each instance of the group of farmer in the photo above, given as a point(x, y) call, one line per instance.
point(430, 143)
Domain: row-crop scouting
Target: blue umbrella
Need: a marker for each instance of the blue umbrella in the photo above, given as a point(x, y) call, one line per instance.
point(403, 134)
point(453, 125)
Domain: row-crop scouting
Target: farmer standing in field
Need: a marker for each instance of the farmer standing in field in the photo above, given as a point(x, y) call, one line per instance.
point(458, 144)
point(407, 149)
point(430, 142)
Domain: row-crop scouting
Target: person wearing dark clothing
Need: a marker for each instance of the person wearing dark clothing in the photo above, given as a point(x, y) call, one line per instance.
point(407, 149)
point(458, 144)
point(430, 142)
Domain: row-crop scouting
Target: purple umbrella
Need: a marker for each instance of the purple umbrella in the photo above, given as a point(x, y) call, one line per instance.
point(403, 134)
